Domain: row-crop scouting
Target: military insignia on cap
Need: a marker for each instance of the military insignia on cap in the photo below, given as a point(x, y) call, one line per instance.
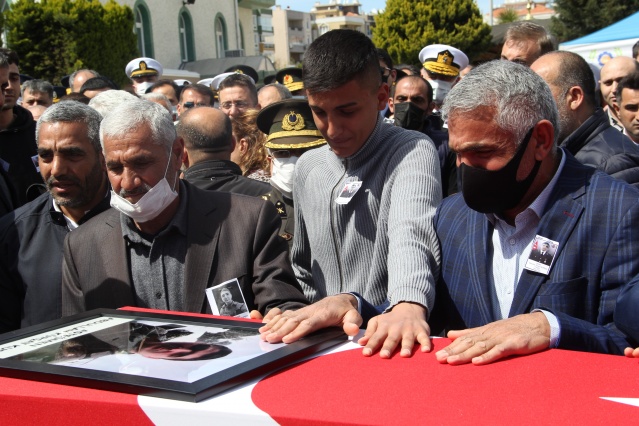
point(445, 58)
point(239, 71)
point(293, 121)
point(288, 79)
point(142, 66)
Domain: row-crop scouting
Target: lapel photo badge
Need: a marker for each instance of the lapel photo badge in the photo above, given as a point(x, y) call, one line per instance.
point(348, 191)
point(226, 299)
point(542, 255)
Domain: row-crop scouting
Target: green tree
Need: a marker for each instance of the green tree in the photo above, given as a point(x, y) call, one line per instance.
point(406, 26)
point(56, 37)
point(576, 18)
point(507, 15)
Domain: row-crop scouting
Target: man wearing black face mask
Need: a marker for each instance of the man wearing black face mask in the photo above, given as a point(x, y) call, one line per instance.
point(518, 187)
point(411, 102)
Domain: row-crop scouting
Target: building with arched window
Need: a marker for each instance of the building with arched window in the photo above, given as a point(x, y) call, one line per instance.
point(178, 31)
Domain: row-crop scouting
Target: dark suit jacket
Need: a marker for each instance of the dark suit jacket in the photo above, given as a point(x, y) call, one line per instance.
point(627, 312)
point(594, 219)
point(229, 236)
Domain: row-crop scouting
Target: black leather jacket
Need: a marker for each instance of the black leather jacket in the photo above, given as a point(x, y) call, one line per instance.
point(596, 143)
point(224, 176)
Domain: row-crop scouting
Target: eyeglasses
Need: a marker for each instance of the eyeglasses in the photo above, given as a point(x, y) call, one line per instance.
point(238, 105)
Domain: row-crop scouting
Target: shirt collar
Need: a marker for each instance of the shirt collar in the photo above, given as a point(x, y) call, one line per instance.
point(178, 223)
point(71, 224)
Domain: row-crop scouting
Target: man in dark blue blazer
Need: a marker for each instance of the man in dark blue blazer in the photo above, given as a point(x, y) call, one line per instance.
point(627, 316)
point(517, 184)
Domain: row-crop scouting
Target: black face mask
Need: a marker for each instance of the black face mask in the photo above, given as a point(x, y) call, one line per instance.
point(409, 116)
point(497, 191)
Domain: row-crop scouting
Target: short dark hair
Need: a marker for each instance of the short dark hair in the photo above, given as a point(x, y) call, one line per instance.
point(195, 137)
point(4, 61)
point(385, 57)
point(635, 50)
point(38, 86)
point(97, 83)
point(631, 81)
point(336, 58)
point(221, 352)
point(11, 55)
point(414, 69)
point(573, 70)
point(198, 88)
point(418, 77)
point(165, 82)
point(239, 80)
point(526, 30)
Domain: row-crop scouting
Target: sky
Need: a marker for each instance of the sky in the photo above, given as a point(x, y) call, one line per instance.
point(367, 5)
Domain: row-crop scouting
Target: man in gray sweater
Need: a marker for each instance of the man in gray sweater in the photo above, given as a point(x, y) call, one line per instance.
point(364, 239)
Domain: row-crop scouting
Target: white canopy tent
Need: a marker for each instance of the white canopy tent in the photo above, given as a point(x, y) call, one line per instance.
point(614, 40)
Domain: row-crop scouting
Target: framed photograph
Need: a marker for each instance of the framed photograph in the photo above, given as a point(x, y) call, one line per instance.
point(156, 354)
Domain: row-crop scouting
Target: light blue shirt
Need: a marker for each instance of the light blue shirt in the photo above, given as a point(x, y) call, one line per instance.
point(511, 248)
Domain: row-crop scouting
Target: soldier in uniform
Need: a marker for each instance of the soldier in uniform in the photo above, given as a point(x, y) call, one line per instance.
point(230, 307)
point(291, 132)
point(291, 78)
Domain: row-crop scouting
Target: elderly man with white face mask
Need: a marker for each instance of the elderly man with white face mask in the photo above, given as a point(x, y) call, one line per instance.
point(165, 241)
point(291, 132)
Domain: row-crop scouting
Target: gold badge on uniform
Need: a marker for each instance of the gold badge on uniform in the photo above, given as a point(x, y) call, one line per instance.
point(281, 209)
point(293, 121)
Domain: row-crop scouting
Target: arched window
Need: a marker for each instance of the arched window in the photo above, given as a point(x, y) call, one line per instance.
point(220, 36)
point(143, 28)
point(187, 46)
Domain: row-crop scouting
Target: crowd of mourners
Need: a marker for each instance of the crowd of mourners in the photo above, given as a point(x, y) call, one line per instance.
point(496, 204)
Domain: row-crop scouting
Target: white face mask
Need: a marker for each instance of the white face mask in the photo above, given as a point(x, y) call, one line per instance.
point(440, 90)
point(140, 89)
point(151, 204)
point(283, 171)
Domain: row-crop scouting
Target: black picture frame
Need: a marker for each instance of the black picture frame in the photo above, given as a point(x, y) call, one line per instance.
point(194, 391)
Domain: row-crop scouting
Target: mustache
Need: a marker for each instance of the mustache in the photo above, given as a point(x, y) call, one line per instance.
point(140, 190)
point(62, 179)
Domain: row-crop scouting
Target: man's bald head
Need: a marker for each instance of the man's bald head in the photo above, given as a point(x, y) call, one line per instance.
point(572, 84)
point(207, 135)
point(612, 73)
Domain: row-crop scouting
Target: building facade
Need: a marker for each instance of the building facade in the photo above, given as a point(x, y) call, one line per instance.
point(338, 14)
point(539, 10)
point(292, 35)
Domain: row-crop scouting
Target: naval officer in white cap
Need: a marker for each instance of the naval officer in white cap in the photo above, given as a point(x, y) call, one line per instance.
point(143, 72)
point(442, 64)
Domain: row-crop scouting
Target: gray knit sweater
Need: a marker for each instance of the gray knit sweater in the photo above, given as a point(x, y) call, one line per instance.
point(381, 244)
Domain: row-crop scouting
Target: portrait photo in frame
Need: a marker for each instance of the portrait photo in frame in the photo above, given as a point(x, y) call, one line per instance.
point(156, 354)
